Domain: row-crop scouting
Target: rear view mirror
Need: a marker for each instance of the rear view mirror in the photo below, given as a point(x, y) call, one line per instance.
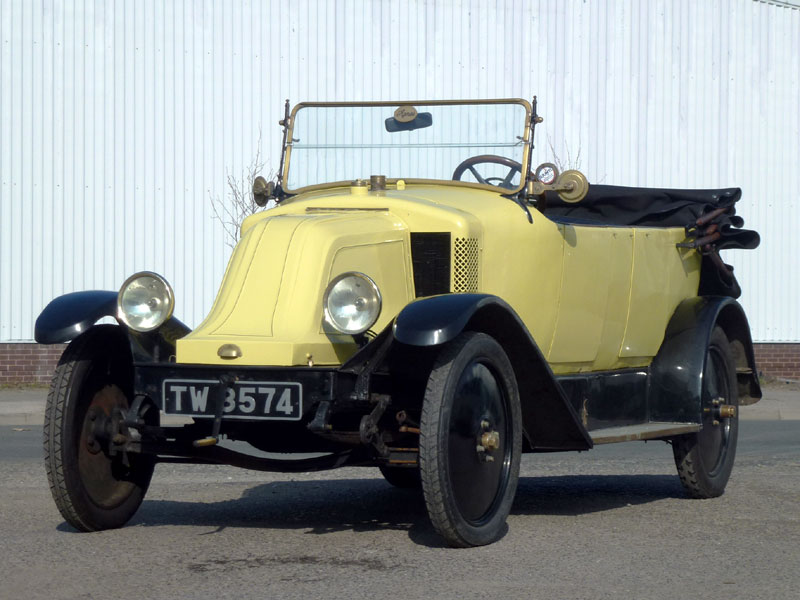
point(406, 118)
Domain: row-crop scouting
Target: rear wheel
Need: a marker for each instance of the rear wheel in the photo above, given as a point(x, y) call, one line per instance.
point(470, 441)
point(705, 459)
point(90, 391)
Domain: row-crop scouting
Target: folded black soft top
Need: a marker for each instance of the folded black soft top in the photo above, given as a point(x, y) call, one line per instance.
point(708, 216)
point(620, 206)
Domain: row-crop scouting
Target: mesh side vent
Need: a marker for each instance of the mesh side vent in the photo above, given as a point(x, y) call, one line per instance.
point(465, 265)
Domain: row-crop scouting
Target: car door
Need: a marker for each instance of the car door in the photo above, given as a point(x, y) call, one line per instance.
point(662, 276)
point(594, 299)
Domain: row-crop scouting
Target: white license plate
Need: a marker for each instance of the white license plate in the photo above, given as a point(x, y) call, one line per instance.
point(272, 400)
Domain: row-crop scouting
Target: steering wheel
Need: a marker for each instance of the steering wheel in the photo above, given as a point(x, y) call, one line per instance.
point(505, 182)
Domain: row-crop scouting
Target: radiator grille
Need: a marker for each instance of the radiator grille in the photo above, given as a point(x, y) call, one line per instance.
point(465, 265)
point(430, 257)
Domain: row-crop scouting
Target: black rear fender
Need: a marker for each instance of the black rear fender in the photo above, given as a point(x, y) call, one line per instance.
point(549, 420)
point(676, 371)
point(732, 319)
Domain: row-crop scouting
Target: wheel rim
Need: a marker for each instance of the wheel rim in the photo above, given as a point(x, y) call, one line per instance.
point(479, 403)
point(105, 479)
point(714, 440)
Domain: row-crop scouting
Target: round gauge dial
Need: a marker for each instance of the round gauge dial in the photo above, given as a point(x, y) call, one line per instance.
point(547, 173)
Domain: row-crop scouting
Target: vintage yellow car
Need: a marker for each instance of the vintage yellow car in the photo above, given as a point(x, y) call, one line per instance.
point(424, 301)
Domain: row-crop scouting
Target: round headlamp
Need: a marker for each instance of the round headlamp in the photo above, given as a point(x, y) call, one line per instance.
point(352, 303)
point(145, 301)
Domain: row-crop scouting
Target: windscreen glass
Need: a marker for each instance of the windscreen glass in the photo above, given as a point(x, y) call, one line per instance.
point(421, 141)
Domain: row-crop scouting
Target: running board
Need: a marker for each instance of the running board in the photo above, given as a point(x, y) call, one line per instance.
point(643, 431)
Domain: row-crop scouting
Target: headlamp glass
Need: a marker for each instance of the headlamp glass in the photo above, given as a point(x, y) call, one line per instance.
point(145, 301)
point(352, 303)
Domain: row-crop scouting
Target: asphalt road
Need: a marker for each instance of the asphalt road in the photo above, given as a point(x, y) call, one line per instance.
point(610, 523)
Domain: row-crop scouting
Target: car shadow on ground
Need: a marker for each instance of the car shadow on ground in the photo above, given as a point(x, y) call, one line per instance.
point(574, 495)
point(327, 506)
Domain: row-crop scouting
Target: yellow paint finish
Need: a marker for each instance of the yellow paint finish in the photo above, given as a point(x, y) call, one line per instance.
point(618, 273)
point(368, 237)
point(663, 276)
point(522, 264)
point(278, 321)
point(571, 285)
point(202, 349)
point(388, 262)
point(254, 272)
point(520, 261)
point(421, 208)
point(594, 296)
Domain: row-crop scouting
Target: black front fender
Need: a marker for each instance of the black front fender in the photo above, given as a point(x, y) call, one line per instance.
point(70, 315)
point(66, 317)
point(548, 418)
point(439, 319)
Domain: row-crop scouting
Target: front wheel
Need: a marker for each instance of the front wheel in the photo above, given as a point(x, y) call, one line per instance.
point(705, 459)
point(93, 488)
point(470, 441)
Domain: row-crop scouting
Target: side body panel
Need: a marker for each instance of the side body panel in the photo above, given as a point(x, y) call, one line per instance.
point(667, 391)
point(595, 289)
point(670, 389)
point(663, 276)
point(620, 287)
point(610, 398)
point(586, 294)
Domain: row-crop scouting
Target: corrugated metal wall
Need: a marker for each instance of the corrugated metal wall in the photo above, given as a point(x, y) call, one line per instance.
point(119, 121)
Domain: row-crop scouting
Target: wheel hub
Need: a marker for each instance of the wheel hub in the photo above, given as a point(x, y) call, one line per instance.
point(104, 432)
point(488, 442)
point(103, 466)
point(719, 411)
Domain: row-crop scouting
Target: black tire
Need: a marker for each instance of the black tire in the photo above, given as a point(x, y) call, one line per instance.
point(402, 477)
point(471, 391)
point(92, 490)
point(705, 459)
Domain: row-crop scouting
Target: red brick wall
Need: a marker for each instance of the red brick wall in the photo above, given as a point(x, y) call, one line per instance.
point(33, 363)
point(28, 363)
point(779, 360)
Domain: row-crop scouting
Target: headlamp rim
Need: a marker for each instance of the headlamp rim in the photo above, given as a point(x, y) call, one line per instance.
point(170, 296)
point(332, 283)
